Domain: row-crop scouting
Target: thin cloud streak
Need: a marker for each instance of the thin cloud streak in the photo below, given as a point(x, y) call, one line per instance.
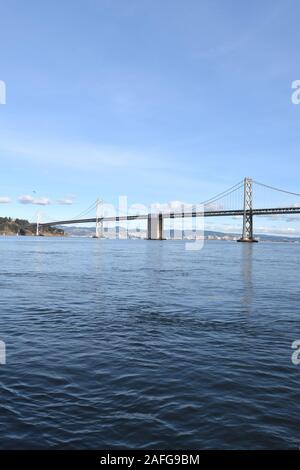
point(67, 201)
point(26, 199)
point(82, 156)
point(5, 200)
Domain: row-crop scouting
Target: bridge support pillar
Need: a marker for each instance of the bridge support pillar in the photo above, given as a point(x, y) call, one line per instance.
point(155, 227)
point(247, 236)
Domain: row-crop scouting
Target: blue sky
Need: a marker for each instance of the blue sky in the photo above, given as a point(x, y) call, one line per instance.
point(157, 100)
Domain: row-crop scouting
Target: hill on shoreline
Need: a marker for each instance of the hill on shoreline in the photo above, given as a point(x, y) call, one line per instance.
point(23, 227)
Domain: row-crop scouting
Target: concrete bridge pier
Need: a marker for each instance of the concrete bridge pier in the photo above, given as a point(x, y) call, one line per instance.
point(155, 227)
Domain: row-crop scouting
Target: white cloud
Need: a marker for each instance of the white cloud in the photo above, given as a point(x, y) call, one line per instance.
point(66, 201)
point(41, 201)
point(44, 201)
point(4, 200)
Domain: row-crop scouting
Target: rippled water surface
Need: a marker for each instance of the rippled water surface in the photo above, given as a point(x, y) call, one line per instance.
point(137, 344)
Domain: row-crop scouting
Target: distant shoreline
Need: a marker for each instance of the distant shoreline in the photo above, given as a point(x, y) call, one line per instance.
point(260, 238)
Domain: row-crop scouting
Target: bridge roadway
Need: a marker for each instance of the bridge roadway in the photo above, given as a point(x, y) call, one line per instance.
point(178, 215)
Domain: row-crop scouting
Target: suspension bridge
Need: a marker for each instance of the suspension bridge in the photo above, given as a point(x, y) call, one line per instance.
point(246, 199)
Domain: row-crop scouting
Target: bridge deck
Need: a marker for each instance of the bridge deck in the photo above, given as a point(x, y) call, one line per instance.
point(178, 215)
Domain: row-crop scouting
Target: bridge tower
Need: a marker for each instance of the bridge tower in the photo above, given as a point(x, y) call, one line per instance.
point(99, 219)
point(248, 216)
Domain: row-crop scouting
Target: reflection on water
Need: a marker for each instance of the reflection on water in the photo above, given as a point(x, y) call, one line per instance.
point(246, 273)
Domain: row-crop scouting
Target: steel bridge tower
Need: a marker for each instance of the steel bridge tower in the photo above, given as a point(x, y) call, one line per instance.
point(248, 216)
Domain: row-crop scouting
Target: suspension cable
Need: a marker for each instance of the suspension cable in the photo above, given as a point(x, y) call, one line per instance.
point(82, 214)
point(224, 193)
point(86, 211)
point(276, 189)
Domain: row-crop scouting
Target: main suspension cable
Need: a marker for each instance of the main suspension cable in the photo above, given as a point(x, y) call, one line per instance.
point(276, 189)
